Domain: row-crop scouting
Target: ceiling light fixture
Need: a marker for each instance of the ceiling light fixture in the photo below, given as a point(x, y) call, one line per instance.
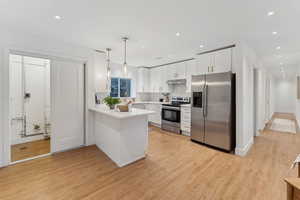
point(278, 48)
point(274, 33)
point(57, 17)
point(177, 34)
point(201, 46)
point(125, 56)
point(271, 13)
point(108, 68)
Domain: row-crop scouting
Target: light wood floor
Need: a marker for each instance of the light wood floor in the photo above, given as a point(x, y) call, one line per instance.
point(289, 116)
point(175, 169)
point(29, 149)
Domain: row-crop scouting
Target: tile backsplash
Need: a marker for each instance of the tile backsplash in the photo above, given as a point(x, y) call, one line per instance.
point(176, 90)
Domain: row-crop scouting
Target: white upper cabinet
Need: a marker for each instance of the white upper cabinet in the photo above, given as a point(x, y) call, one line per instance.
point(223, 60)
point(164, 87)
point(142, 82)
point(156, 79)
point(204, 63)
point(215, 62)
point(176, 71)
point(181, 70)
point(191, 67)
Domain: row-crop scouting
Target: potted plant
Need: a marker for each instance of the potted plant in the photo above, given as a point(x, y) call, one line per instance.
point(111, 102)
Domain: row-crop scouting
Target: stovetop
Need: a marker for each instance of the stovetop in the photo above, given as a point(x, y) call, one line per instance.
point(177, 101)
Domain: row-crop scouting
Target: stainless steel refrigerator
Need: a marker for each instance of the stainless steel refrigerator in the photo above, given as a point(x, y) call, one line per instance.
point(213, 110)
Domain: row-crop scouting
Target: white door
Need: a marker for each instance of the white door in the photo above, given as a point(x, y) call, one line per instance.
point(67, 105)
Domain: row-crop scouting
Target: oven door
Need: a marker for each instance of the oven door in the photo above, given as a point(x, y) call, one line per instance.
point(171, 114)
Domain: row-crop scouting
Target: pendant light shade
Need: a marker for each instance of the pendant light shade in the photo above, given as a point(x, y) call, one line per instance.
point(108, 68)
point(125, 56)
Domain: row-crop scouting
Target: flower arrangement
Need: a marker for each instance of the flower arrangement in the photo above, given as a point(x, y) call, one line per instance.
point(111, 102)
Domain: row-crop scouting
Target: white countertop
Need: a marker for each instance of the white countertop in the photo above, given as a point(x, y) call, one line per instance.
point(103, 109)
point(149, 102)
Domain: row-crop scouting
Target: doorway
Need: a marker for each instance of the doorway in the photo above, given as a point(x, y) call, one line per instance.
point(30, 106)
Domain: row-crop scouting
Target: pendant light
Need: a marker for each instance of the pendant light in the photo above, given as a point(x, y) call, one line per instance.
point(108, 68)
point(125, 55)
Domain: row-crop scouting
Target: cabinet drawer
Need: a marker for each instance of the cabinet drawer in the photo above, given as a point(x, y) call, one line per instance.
point(186, 123)
point(185, 110)
point(186, 129)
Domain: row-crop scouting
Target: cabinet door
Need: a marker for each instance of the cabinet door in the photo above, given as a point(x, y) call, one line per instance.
point(153, 80)
point(190, 70)
point(180, 70)
point(142, 80)
point(146, 78)
point(222, 61)
point(139, 82)
point(204, 64)
point(172, 74)
point(164, 78)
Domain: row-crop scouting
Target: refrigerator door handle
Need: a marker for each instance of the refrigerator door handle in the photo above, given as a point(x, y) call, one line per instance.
point(206, 100)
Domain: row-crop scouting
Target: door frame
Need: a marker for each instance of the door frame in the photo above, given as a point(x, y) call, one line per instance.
point(6, 145)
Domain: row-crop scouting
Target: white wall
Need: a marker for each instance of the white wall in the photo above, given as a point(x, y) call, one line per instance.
point(260, 100)
point(284, 95)
point(298, 102)
point(41, 46)
point(245, 60)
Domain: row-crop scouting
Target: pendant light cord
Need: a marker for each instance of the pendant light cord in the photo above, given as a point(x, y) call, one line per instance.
point(125, 49)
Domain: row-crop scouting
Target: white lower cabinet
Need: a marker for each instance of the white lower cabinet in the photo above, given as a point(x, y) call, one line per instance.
point(185, 124)
point(154, 118)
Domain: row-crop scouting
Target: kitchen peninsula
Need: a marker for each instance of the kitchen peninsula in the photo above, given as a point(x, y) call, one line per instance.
point(122, 136)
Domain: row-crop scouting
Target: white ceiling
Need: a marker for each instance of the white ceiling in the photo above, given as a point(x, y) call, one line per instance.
point(284, 72)
point(153, 24)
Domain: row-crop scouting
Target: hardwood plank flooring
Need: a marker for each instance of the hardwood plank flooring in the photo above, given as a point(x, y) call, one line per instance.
point(175, 168)
point(289, 116)
point(29, 149)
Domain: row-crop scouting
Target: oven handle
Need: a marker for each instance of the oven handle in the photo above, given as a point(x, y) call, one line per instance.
point(171, 108)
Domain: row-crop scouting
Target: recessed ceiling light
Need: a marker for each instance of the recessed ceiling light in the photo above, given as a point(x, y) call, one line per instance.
point(278, 48)
point(57, 17)
point(201, 46)
point(143, 47)
point(274, 33)
point(177, 34)
point(271, 13)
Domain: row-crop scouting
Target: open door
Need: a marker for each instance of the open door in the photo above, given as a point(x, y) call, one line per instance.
point(67, 105)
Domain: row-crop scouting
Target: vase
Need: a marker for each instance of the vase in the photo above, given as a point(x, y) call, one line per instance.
point(112, 107)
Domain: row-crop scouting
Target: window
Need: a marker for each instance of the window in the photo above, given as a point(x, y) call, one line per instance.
point(120, 87)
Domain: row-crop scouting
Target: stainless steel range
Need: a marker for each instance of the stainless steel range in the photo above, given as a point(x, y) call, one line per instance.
point(171, 114)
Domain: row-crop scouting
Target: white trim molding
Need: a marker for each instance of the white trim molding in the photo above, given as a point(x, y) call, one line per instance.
point(243, 151)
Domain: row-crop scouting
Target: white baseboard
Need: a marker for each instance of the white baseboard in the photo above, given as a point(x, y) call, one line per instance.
point(243, 151)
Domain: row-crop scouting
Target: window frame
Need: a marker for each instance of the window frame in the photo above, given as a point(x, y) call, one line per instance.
point(119, 87)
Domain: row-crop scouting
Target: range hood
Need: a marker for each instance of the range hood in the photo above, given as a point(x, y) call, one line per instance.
point(176, 82)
